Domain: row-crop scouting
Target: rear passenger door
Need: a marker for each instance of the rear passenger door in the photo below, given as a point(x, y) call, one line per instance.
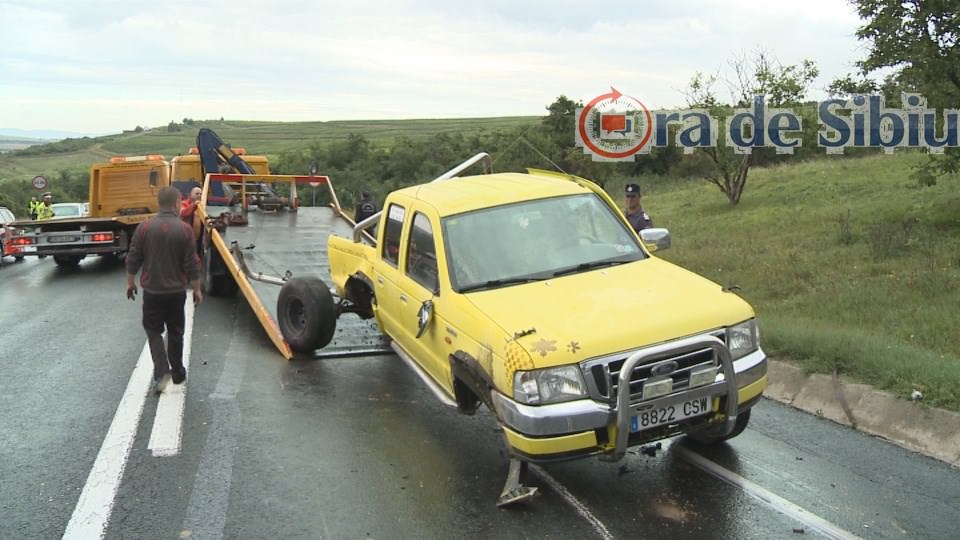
point(387, 273)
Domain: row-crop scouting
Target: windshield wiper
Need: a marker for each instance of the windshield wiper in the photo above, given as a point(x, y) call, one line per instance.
point(582, 267)
point(493, 283)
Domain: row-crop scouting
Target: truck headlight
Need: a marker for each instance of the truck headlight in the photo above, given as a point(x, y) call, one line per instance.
point(742, 339)
point(550, 385)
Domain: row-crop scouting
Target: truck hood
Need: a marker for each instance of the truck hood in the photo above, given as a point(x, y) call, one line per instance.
point(604, 311)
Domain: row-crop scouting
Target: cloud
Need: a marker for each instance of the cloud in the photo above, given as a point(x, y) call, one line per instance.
point(107, 65)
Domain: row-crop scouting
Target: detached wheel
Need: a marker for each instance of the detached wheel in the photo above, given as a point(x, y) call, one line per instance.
point(306, 313)
point(67, 261)
point(217, 279)
point(713, 436)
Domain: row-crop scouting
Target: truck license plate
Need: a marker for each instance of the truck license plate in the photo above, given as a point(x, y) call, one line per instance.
point(63, 239)
point(669, 414)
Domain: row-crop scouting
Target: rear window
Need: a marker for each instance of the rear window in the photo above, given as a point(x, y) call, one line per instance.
point(66, 210)
point(391, 234)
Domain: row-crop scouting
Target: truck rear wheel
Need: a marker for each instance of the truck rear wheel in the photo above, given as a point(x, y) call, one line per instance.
point(67, 261)
point(306, 313)
point(713, 436)
point(217, 279)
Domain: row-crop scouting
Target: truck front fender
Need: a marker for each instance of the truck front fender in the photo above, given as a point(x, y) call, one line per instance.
point(471, 383)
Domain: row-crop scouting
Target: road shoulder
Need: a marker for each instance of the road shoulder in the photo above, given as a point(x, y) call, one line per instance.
point(929, 431)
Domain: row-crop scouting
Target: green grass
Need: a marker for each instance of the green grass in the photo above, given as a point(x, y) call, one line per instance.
point(848, 263)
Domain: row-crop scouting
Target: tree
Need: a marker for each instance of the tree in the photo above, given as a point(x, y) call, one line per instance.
point(559, 123)
point(920, 39)
point(918, 36)
point(759, 74)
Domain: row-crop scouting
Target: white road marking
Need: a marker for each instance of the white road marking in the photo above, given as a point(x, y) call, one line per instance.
point(764, 495)
point(90, 516)
point(581, 509)
point(166, 436)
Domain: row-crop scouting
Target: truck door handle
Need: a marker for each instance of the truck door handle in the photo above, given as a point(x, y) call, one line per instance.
point(403, 298)
point(379, 280)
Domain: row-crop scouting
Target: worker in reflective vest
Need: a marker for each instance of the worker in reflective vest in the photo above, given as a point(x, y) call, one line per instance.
point(43, 210)
point(33, 207)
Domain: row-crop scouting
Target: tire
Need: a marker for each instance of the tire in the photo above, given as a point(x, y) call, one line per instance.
point(18, 258)
point(67, 261)
point(216, 284)
point(306, 314)
point(712, 436)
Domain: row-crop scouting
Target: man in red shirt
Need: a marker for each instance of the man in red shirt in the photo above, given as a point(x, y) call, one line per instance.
point(188, 213)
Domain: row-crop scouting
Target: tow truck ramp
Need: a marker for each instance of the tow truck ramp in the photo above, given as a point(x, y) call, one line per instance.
point(262, 248)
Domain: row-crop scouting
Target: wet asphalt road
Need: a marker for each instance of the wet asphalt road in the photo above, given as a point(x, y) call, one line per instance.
point(358, 447)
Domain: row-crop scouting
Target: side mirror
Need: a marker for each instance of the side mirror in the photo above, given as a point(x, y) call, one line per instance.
point(424, 316)
point(655, 239)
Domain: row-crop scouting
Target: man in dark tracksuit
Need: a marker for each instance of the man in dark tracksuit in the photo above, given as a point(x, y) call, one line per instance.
point(164, 249)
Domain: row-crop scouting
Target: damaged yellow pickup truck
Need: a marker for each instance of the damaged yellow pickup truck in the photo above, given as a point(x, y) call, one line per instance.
point(530, 293)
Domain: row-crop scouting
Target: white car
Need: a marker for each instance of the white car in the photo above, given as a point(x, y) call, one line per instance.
point(69, 210)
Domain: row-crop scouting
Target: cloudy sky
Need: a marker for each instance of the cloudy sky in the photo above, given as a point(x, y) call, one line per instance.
point(100, 66)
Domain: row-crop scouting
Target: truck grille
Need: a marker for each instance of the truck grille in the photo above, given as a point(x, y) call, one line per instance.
point(603, 373)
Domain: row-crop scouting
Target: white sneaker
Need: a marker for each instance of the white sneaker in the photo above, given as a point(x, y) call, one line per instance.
point(159, 385)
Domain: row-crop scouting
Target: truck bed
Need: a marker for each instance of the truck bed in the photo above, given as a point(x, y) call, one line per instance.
point(274, 243)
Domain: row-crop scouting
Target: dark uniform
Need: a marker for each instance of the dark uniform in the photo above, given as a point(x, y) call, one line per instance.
point(638, 218)
point(365, 208)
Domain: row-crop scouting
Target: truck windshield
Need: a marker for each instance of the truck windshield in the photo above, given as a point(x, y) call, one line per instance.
point(531, 240)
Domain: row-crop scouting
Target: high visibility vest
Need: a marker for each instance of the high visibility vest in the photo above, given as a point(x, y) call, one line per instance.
point(34, 207)
point(44, 211)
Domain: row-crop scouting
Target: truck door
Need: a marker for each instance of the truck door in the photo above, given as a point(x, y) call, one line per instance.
point(419, 283)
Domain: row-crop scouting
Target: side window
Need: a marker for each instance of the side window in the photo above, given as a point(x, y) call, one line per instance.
point(422, 254)
point(391, 235)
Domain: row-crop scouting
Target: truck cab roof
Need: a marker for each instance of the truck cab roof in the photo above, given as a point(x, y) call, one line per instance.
point(466, 193)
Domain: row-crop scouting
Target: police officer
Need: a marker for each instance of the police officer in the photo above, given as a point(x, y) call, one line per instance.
point(33, 207)
point(44, 211)
point(365, 207)
point(635, 215)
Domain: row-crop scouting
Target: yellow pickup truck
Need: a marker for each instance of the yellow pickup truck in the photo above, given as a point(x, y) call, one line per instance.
point(531, 294)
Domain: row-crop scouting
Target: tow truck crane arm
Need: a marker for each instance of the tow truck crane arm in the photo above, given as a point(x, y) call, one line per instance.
point(214, 152)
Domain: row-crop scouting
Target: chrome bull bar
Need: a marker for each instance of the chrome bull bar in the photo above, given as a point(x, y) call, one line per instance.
point(626, 410)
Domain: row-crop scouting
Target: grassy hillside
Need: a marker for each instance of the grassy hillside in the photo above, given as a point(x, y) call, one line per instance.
point(850, 266)
point(273, 137)
point(66, 162)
